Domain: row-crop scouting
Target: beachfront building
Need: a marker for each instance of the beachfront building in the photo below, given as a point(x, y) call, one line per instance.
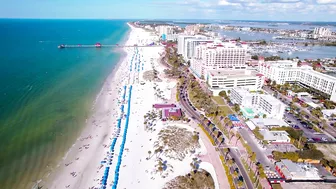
point(297, 171)
point(169, 111)
point(254, 103)
point(227, 79)
point(167, 31)
point(186, 44)
point(218, 55)
point(283, 71)
point(275, 137)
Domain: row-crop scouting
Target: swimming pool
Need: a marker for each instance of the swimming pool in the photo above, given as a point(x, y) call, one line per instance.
point(249, 110)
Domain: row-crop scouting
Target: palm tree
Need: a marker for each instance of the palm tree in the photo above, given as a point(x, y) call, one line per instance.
point(238, 138)
point(235, 174)
point(240, 183)
point(219, 139)
point(252, 158)
point(227, 151)
point(215, 134)
point(232, 135)
point(149, 153)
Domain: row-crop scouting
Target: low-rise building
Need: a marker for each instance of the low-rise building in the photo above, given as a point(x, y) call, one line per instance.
point(275, 137)
point(265, 123)
point(256, 104)
point(297, 171)
point(228, 79)
point(169, 111)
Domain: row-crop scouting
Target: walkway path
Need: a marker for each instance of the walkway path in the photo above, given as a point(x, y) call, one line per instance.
point(212, 157)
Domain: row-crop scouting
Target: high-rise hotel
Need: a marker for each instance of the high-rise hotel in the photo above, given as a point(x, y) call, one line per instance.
point(216, 56)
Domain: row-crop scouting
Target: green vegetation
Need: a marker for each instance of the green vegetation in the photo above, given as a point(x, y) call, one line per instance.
point(207, 134)
point(294, 156)
point(330, 44)
point(218, 100)
point(309, 152)
point(254, 57)
point(196, 179)
point(200, 99)
point(273, 58)
point(257, 134)
point(225, 110)
point(329, 150)
point(276, 186)
point(228, 174)
point(252, 175)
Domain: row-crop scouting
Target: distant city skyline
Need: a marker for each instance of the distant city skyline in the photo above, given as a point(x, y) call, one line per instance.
point(277, 10)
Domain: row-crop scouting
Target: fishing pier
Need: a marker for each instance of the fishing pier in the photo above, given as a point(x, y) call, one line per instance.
point(99, 45)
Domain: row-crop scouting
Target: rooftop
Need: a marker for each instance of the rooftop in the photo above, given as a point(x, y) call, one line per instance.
point(298, 171)
point(234, 73)
point(271, 99)
point(168, 112)
point(268, 122)
point(274, 135)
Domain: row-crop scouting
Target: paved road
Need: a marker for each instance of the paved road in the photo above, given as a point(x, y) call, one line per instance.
point(261, 157)
point(331, 130)
point(232, 153)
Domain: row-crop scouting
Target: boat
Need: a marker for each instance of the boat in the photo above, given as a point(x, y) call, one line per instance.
point(61, 46)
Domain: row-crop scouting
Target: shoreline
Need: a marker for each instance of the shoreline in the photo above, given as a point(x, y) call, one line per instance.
point(98, 102)
point(121, 141)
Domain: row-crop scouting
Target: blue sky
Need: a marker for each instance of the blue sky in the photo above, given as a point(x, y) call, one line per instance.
point(289, 10)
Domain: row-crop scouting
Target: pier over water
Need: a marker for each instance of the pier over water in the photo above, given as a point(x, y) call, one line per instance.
point(99, 45)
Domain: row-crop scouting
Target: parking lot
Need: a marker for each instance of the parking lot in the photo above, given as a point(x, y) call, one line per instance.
point(309, 133)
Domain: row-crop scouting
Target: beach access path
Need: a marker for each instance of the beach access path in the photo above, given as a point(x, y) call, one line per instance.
point(212, 155)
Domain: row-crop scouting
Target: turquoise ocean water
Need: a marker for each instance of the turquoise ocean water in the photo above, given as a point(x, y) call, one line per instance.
point(46, 93)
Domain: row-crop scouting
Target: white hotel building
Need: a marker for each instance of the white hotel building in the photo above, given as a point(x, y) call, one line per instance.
point(218, 55)
point(167, 30)
point(219, 80)
point(283, 71)
point(261, 103)
point(186, 44)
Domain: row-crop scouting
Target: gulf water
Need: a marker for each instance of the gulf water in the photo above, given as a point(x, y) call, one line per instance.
point(46, 93)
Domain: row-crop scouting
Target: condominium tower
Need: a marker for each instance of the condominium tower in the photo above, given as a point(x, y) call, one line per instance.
point(218, 55)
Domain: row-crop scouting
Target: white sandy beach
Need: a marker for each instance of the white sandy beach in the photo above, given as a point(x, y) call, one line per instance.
point(81, 168)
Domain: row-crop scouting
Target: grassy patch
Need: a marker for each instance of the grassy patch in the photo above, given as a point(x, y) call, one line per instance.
point(221, 127)
point(219, 100)
point(228, 174)
point(196, 180)
point(329, 150)
point(207, 134)
point(250, 172)
point(276, 186)
point(225, 110)
point(177, 97)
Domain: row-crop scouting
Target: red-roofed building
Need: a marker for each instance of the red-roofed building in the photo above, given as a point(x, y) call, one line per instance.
point(171, 112)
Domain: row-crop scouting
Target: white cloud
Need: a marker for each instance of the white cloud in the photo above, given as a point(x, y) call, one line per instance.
point(227, 3)
point(326, 1)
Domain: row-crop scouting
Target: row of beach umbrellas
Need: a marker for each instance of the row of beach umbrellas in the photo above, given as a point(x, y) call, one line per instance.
point(122, 146)
point(114, 141)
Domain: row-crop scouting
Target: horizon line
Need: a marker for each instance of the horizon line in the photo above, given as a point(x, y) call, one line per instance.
point(159, 19)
